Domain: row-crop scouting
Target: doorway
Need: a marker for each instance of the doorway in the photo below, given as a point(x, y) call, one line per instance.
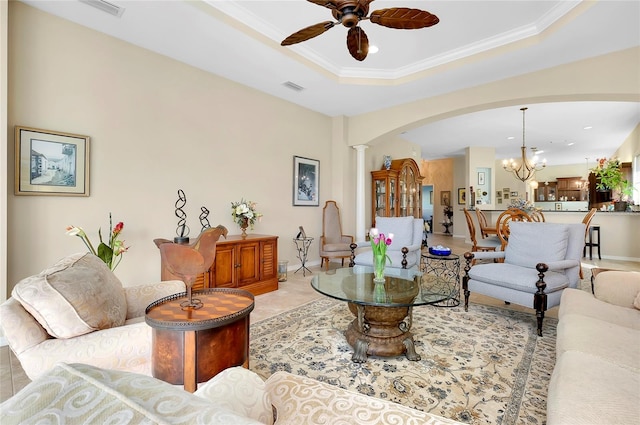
point(427, 205)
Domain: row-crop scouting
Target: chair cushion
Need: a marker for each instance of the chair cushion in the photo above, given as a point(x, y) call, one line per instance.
point(77, 295)
point(533, 243)
point(515, 277)
point(401, 227)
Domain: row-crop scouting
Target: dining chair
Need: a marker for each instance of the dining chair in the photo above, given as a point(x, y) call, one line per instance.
point(333, 244)
point(537, 215)
point(491, 243)
point(540, 261)
point(505, 219)
point(485, 228)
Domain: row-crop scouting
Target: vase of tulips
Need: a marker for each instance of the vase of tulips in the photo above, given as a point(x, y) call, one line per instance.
point(379, 244)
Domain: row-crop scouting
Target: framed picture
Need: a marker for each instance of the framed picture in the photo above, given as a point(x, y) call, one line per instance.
point(51, 163)
point(514, 194)
point(558, 206)
point(445, 197)
point(462, 196)
point(480, 178)
point(306, 180)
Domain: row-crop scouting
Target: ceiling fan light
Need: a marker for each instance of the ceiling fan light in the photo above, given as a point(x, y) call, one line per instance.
point(373, 49)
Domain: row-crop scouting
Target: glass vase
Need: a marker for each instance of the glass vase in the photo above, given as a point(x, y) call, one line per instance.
point(379, 261)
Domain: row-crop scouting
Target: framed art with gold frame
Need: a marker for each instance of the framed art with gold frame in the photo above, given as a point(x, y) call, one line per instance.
point(51, 163)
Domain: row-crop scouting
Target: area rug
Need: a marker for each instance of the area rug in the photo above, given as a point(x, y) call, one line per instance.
point(484, 366)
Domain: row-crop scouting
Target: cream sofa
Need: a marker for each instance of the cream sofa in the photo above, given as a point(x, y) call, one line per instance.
point(81, 394)
point(77, 311)
point(596, 379)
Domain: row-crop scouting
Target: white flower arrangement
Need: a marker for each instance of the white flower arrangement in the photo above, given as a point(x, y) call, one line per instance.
point(244, 213)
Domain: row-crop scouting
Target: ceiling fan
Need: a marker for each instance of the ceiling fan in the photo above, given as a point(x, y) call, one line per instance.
point(350, 12)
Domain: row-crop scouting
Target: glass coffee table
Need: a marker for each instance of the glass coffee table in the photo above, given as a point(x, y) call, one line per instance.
point(383, 311)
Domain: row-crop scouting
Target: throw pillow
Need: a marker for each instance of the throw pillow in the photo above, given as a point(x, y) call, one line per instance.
point(533, 243)
point(77, 295)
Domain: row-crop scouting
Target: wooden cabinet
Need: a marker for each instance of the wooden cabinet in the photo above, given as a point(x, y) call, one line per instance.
point(572, 189)
point(546, 192)
point(397, 192)
point(249, 263)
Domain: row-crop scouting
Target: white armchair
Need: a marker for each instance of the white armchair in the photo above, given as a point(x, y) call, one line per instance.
point(540, 260)
point(67, 313)
point(404, 251)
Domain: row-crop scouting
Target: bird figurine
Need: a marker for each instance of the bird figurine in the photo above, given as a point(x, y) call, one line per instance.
point(189, 261)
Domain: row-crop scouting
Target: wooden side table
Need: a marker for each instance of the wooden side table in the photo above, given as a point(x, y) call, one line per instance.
point(193, 345)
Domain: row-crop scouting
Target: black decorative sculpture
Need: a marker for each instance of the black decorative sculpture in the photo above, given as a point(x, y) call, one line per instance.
point(182, 230)
point(204, 221)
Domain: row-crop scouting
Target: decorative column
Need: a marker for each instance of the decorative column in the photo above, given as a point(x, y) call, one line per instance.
point(360, 225)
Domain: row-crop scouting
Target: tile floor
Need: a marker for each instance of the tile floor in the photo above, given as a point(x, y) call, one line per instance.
point(294, 292)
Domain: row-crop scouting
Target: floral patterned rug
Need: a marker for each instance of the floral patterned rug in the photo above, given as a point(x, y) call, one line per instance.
point(485, 366)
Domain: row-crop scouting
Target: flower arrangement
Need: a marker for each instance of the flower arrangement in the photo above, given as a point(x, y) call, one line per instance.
point(521, 204)
point(379, 244)
point(610, 176)
point(244, 213)
point(111, 252)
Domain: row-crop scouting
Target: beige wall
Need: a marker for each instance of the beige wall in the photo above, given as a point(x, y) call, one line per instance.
point(158, 126)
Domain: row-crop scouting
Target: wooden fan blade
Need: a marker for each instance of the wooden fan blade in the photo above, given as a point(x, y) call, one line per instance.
point(357, 43)
point(403, 18)
point(329, 4)
point(307, 33)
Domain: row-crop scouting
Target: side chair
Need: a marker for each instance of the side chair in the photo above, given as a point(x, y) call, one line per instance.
point(540, 261)
point(333, 244)
point(491, 243)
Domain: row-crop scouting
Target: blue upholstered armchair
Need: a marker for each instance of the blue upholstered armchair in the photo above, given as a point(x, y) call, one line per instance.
point(404, 251)
point(540, 260)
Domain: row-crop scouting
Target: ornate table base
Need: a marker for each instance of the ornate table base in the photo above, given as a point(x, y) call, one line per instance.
point(381, 331)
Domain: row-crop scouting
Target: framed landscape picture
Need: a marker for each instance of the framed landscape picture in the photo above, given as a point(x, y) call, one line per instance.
point(306, 179)
point(51, 163)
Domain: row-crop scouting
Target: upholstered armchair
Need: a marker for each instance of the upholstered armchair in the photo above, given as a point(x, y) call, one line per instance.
point(77, 311)
point(540, 261)
point(405, 249)
point(333, 244)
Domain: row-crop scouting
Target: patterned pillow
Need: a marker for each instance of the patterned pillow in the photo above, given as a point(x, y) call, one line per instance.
point(77, 295)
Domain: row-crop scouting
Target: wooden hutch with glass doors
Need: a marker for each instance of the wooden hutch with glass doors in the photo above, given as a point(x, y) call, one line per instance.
point(397, 192)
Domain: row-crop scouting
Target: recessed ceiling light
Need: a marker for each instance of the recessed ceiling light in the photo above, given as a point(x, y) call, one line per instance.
point(373, 49)
point(587, 127)
point(510, 138)
point(570, 144)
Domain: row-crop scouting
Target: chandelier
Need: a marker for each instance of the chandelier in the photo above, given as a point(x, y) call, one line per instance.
point(527, 167)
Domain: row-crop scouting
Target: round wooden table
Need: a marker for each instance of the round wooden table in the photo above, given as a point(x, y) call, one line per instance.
point(193, 345)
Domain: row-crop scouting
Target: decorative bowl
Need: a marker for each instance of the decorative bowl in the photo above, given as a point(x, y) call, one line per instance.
point(439, 250)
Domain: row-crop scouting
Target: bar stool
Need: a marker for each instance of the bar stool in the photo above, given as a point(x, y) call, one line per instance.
point(592, 242)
